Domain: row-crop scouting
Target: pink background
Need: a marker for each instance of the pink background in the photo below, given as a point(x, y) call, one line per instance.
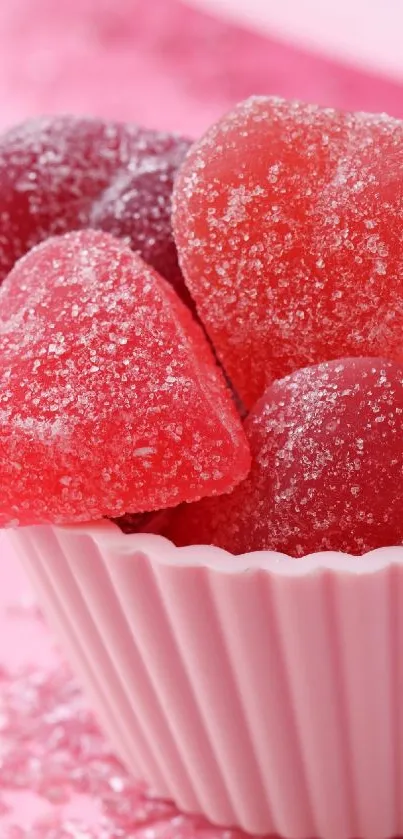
point(365, 32)
point(160, 63)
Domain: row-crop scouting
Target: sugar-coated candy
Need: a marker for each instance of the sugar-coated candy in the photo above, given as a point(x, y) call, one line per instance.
point(110, 399)
point(327, 467)
point(136, 206)
point(288, 219)
point(64, 173)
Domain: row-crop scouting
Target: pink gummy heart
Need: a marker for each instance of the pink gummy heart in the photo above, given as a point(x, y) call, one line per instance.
point(327, 467)
point(288, 222)
point(65, 173)
point(110, 400)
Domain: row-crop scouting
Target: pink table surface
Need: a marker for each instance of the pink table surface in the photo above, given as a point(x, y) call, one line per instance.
point(163, 64)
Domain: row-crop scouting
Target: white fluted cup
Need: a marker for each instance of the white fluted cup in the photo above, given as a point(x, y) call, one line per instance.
point(261, 691)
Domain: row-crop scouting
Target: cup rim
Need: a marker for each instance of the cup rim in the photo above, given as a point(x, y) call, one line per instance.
point(108, 536)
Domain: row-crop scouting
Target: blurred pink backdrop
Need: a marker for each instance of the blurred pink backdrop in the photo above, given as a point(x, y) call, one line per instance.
point(364, 32)
point(166, 63)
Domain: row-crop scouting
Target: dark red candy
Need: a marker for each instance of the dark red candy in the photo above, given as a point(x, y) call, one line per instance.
point(288, 221)
point(154, 522)
point(327, 467)
point(63, 173)
point(137, 206)
point(110, 398)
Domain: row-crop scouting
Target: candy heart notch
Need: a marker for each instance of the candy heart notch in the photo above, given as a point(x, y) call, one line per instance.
point(327, 467)
point(65, 173)
point(110, 399)
point(288, 219)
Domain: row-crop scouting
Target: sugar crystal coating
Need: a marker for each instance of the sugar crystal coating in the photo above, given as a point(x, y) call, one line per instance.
point(110, 399)
point(287, 219)
point(51, 746)
point(327, 467)
point(63, 173)
point(136, 206)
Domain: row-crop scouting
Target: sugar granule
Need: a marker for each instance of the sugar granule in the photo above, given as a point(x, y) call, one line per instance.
point(50, 744)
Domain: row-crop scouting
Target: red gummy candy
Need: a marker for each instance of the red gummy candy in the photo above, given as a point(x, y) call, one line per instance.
point(110, 399)
point(327, 467)
point(64, 173)
point(287, 219)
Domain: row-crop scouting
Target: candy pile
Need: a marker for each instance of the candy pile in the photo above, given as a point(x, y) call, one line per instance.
point(67, 173)
point(114, 401)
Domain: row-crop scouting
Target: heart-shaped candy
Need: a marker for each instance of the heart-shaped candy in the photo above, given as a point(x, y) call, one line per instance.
point(288, 221)
point(110, 399)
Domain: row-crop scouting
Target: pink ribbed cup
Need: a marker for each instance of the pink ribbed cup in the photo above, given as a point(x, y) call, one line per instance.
point(261, 691)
